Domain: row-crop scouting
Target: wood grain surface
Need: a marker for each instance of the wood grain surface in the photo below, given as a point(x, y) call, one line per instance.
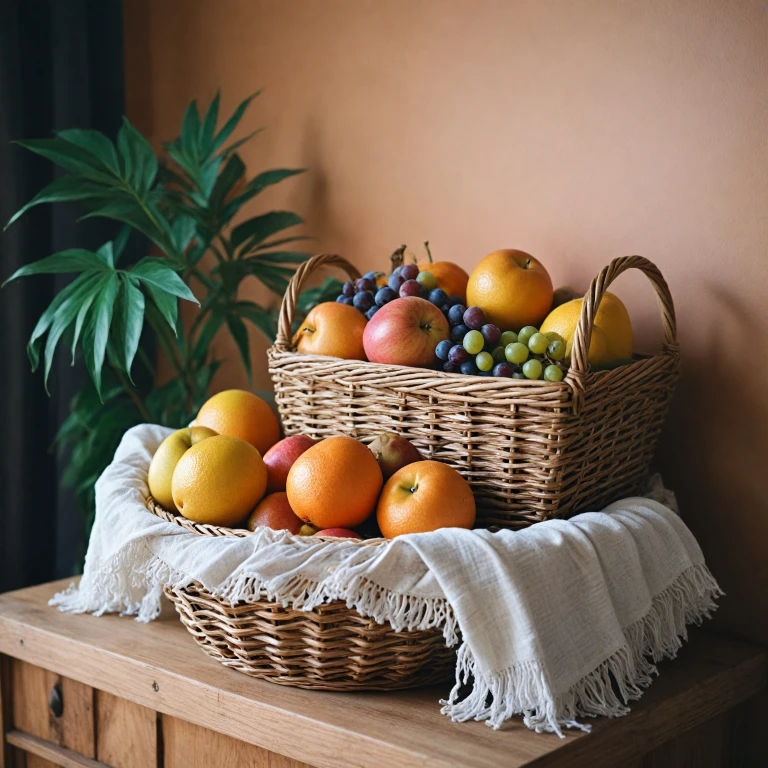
point(158, 666)
point(127, 732)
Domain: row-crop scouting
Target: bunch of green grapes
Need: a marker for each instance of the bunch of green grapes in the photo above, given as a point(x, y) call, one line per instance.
point(479, 348)
point(532, 354)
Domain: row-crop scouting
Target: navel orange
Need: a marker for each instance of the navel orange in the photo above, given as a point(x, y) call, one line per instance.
point(450, 277)
point(242, 414)
point(512, 288)
point(334, 484)
point(425, 496)
point(219, 481)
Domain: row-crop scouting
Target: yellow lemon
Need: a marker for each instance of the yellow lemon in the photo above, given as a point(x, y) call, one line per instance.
point(167, 457)
point(611, 335)
point(219, 481)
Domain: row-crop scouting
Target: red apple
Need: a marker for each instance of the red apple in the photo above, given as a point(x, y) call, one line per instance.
point(405, 332)
point(394, 452)
point(339, 533)
point(280, 457)
point(274, 511)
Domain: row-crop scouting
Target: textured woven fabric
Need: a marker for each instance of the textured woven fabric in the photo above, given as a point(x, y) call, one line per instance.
point(562, 620)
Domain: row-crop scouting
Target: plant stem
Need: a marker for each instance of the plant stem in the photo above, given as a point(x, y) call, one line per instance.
point(131, 392)
point(227, 247)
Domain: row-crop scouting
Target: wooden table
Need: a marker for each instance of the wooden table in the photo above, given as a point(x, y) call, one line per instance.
point(83, 692)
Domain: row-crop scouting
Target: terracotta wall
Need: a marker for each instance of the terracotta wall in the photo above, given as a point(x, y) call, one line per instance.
point(576, 131)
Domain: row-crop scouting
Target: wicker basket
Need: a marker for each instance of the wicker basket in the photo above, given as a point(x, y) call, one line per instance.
point(331, 647)
point(531, 450)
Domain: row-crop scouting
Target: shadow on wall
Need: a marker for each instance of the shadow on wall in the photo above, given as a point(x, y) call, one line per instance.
point(718, 400)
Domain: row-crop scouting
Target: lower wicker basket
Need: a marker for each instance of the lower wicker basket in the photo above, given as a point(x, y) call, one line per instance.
point(331, 647)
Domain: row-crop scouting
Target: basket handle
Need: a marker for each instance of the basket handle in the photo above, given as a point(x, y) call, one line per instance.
point(583, 333)
point(288, 307)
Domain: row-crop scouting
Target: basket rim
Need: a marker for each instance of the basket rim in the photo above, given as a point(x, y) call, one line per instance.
point(667, 351)
point(211, 530)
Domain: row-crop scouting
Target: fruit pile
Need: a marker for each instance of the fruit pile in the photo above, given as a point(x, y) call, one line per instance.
point(479, 348)
point(503, 320)
point(231, 469)
point(367, 296)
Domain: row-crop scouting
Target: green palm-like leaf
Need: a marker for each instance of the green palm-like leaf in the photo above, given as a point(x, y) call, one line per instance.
point(257, 315)
point(132, 319)
point(208, 332)
point(229, 176)
point(62, 263)
point(138, 161)
point(62, 190)
point(96, 144)
point(235, 145)
point(231, 124)
point(69, 156)
point(155, 272)
point(97, 328)
point(261, 182)
point(190, 132)
point(257, 229)
point(66, 314)
point(208, 128)
point(240, 335)
point(282, 257)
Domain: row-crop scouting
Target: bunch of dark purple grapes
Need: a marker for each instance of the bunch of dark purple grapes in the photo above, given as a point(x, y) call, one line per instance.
point(472, 338)
point(404, 281)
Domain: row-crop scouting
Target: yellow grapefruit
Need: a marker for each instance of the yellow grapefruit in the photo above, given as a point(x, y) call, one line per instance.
point(219, 481)
point(611, 335)
point(242, 414)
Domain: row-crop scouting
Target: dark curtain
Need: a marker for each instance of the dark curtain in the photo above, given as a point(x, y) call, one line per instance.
point(61, 66)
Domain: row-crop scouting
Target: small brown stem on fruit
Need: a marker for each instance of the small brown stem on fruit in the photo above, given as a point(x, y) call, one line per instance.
point(527, 263)
point(396, 259)
point(429, 253)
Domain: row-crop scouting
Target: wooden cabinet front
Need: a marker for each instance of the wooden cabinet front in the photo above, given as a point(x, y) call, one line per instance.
point(52, 721)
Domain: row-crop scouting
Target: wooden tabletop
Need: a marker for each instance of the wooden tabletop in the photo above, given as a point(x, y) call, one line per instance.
point(160, 666)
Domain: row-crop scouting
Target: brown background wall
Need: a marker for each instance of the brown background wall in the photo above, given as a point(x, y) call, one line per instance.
point(577, 131)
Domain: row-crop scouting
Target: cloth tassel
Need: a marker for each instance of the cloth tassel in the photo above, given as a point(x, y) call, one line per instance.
point(606, 691)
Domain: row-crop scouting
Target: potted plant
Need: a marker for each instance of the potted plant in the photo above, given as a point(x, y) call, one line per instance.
point(181, 202)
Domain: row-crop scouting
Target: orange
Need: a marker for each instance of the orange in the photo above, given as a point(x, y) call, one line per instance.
point(512, 288)
point(242, 414)
point(611, 334)
point(425, 496)
point(450, 277)
point(219, 481)
point(332, 329)
point(334, 484)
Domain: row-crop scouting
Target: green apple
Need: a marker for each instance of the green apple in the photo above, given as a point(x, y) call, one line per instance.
point(167, 457)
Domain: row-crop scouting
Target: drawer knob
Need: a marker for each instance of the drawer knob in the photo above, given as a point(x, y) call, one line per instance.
point(55, 701)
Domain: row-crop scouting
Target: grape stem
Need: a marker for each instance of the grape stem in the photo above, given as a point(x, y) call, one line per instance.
point(429, 253)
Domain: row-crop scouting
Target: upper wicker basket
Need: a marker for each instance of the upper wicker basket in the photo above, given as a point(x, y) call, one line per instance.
point(531, 450)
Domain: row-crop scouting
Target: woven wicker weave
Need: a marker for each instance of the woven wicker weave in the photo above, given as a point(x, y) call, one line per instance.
point(531, 450)
point(330, 648)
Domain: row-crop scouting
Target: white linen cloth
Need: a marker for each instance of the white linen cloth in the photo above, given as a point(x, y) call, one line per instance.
point(562, 620)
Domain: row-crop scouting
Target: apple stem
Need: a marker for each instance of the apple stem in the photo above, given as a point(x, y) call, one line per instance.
point(527, 263)
point(429, 253)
